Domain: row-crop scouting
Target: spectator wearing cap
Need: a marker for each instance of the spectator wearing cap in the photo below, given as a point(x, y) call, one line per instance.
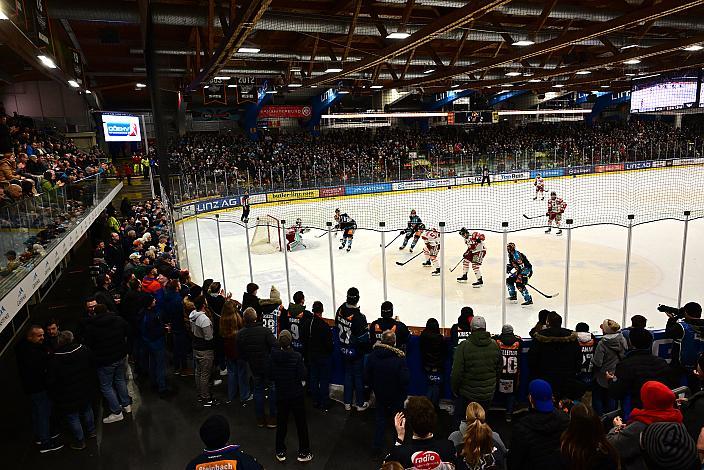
point(254, 343)
point(318, 346)
point(556, 357)
point(433, 353)
point(637, 321)
point(686, 329)
point(461, 330)
point(510, 346)
point(387, 374)
point(215, 434)
point(638, 367)
point(387, 322)
point(658, 407)
point(535, 442)
point(475, 368)
point(668, 446)
point(288, 374)
point(610, 350)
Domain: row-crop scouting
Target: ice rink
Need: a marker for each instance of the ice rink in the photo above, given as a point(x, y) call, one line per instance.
point(598, 254)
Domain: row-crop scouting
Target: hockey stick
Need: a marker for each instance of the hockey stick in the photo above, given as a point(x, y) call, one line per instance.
point(543, 293)
point(409, 260)
point(388, 244)
point(458, 263)
point(533, 217)
point(325, 233)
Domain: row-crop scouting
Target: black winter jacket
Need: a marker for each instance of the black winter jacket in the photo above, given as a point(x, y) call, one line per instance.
point(32, 361)
point(71, 377)
point(106, 335)
point(250, 300)
point(317, 338)
point(288, 373)
point(555, 356)
point(387, 373)
point(634, 370)
point(536, 441)
point(433, 349)
point(254, 343)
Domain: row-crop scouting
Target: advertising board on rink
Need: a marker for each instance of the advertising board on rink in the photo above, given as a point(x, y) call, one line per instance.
point(217, 204)
point(292, 195)
point(368, 188)
point(331, 192)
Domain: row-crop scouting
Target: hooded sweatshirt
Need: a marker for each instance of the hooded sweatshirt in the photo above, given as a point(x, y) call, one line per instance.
point(609, 352)
point(587, 343)
point(461, 330)
point(202, 329)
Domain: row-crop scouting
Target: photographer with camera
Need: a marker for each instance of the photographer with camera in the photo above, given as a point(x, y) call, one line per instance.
point(685, 328)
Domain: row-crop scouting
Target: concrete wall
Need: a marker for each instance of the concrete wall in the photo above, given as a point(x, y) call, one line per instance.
point(47, 101)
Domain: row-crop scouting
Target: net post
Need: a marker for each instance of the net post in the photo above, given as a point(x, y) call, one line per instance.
point(442, 274)
point(284, 247)
point(332, 266)
point(568, 255)
point(504, 227)
point(222, 262)
point(249, 252)
point(684, 257)
point(200, 251)
point(383, 258)
point(628, 268)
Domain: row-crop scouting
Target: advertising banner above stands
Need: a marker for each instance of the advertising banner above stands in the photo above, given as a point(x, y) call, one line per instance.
point(285, 111)
point(368, 188)
point(18, 296)
point(217, 204)
point(292, 195)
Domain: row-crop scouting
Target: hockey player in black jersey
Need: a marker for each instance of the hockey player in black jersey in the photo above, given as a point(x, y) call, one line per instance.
point(347, 226)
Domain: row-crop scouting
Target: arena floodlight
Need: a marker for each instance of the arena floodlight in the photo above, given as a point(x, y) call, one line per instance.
point(73, 84)
point(513, 74)
point(558, 85)
point(584, 72)
point(693, 48)
point(523, 43)
point(333, 69)
point(3, 16)
point(295, 85)
point(376, 87)
point(48, 62)
point(141, 85)
point(632, 61)
point(397, 35)
point(543, 111)
point(249, 50)
point(383, 115)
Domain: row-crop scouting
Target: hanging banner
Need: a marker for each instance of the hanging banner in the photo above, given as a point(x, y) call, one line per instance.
point(42, 33)
point(215, 93)
point(246, 89)
point(76, 66)
point(214, 114)
point(285, 111)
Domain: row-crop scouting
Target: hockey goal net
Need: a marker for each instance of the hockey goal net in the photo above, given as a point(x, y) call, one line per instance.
point(267, 235)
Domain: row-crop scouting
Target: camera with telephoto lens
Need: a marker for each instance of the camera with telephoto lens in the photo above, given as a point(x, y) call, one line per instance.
point(672, 311)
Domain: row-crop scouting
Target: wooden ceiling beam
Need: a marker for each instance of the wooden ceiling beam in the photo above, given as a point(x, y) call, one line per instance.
point(350, 32)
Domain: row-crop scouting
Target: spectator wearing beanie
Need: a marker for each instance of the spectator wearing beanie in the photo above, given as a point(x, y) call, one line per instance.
point(668, 446)
point(637, 321)
point(535, 442)
point(387, 322)
point(433, 353)
point(254, 343)
point(354, 344)
point(583, 444)
point(461, 330)
point(387, 374)
point(658, 407)
point(609, 352)
point(556, 357)
point(318, 347)
point(271, 309)
point(475, 368)
point(288, 374)
point(587, 343)
point(510, 347)
point(542, 322)
point(215, 432)
point(638, 367)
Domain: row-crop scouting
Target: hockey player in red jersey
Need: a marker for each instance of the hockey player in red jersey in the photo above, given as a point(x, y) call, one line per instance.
point(431, 238)
point(539, 187)
point(474, 255)
point(556, 207)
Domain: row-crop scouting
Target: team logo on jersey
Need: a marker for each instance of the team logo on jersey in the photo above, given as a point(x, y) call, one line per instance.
point(426, 460)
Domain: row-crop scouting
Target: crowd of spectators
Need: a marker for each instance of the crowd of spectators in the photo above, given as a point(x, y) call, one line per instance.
point(593, 402)
point(380, 154)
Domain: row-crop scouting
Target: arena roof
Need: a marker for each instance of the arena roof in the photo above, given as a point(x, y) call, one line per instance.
point(428, 44)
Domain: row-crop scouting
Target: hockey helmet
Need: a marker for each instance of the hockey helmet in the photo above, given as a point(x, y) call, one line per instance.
point(299, 221)
point(413, 212)
point(464, 232)
point(511, 247)
point(337, 211)
point(553, 194)
point(478, 236)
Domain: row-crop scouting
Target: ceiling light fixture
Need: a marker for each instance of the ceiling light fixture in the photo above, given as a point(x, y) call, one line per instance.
point(693, 48)
point(271, 92)
point(249, 50)
point(584, 72)
point(534, 80)
point(429, 71)
point(397, 35)
point(455, 85)
point(141, 85)
point(3, 16)
point(232, 86)
point(222, 78)
point(506, 85)
point(632, 61)
point(295, 85)
point(333, 69)
point(603, 86)
point(629, 46)
point(343, 92)
point(523, 43)
point(88, 92)
point(295, 69)
point(376, 87)
point(558, 85)
point(47, 61)
point(513, 74)
point(73, 84)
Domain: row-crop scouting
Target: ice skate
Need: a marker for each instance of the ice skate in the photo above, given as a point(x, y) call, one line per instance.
point(477, 284)
point(349, 248)
point(559, 232)
point(427, 263)
point(462, 278)
point(512, 298)
point(527, 302)
point(548, 230)
point(535, 198)
point(436, 272)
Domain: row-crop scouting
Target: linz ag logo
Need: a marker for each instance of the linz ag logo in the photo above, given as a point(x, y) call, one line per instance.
point(122, 129)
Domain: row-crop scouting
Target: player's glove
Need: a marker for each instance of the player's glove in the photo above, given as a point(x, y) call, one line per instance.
point(548, 214)
point(402, 232)
point(509, 268)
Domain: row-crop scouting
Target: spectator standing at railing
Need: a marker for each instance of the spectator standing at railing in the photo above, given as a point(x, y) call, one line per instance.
point(685, 327)
point(353, 333)
point(693, 406)
point(433, 351)
point(637, 321)
point(610, 350)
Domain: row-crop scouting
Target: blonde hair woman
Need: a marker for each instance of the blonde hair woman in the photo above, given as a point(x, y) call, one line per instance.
point(478, 447)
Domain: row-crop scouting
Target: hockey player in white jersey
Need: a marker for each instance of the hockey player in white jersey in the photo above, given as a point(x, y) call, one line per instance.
point(539, 187)
point(431, 238)
point(474, 255)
